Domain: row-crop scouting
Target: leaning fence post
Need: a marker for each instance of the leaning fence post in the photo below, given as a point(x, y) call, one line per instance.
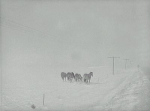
point(43, 99)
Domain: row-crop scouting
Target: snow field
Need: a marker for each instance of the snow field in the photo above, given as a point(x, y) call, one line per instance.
point(100, 94)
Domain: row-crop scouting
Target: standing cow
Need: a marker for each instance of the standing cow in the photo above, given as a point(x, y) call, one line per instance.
point(63, 76)
point(70, 76)
point(87, 77)
point(78, 77)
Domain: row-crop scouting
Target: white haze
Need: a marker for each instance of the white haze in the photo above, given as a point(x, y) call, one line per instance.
point(40, 39)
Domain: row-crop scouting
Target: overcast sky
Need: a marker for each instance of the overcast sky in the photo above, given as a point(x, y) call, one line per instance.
point(56, 34)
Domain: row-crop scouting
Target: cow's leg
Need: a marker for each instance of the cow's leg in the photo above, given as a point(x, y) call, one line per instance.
point(85, 80)
point(88, 81)
point(64, 78)
point(70, 79)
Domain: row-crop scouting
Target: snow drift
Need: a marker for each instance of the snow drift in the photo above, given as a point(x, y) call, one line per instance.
point(126, 90)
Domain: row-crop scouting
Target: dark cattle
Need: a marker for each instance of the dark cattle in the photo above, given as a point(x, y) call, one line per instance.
point(78, 77)
point(87, 77)
point(63, 76)
point(70, 76)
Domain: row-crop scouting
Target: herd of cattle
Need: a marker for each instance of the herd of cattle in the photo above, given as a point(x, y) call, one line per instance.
point(70, 76)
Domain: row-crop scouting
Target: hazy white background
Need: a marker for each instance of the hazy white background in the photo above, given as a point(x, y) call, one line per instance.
point(74, 34)
point(39, 37)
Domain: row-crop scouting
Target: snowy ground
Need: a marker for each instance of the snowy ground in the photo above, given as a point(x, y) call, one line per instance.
point(126, 90)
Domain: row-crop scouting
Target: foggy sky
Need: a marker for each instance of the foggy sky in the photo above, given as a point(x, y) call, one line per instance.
point(56, 34)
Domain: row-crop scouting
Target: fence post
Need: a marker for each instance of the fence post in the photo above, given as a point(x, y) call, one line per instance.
point(43, 99)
